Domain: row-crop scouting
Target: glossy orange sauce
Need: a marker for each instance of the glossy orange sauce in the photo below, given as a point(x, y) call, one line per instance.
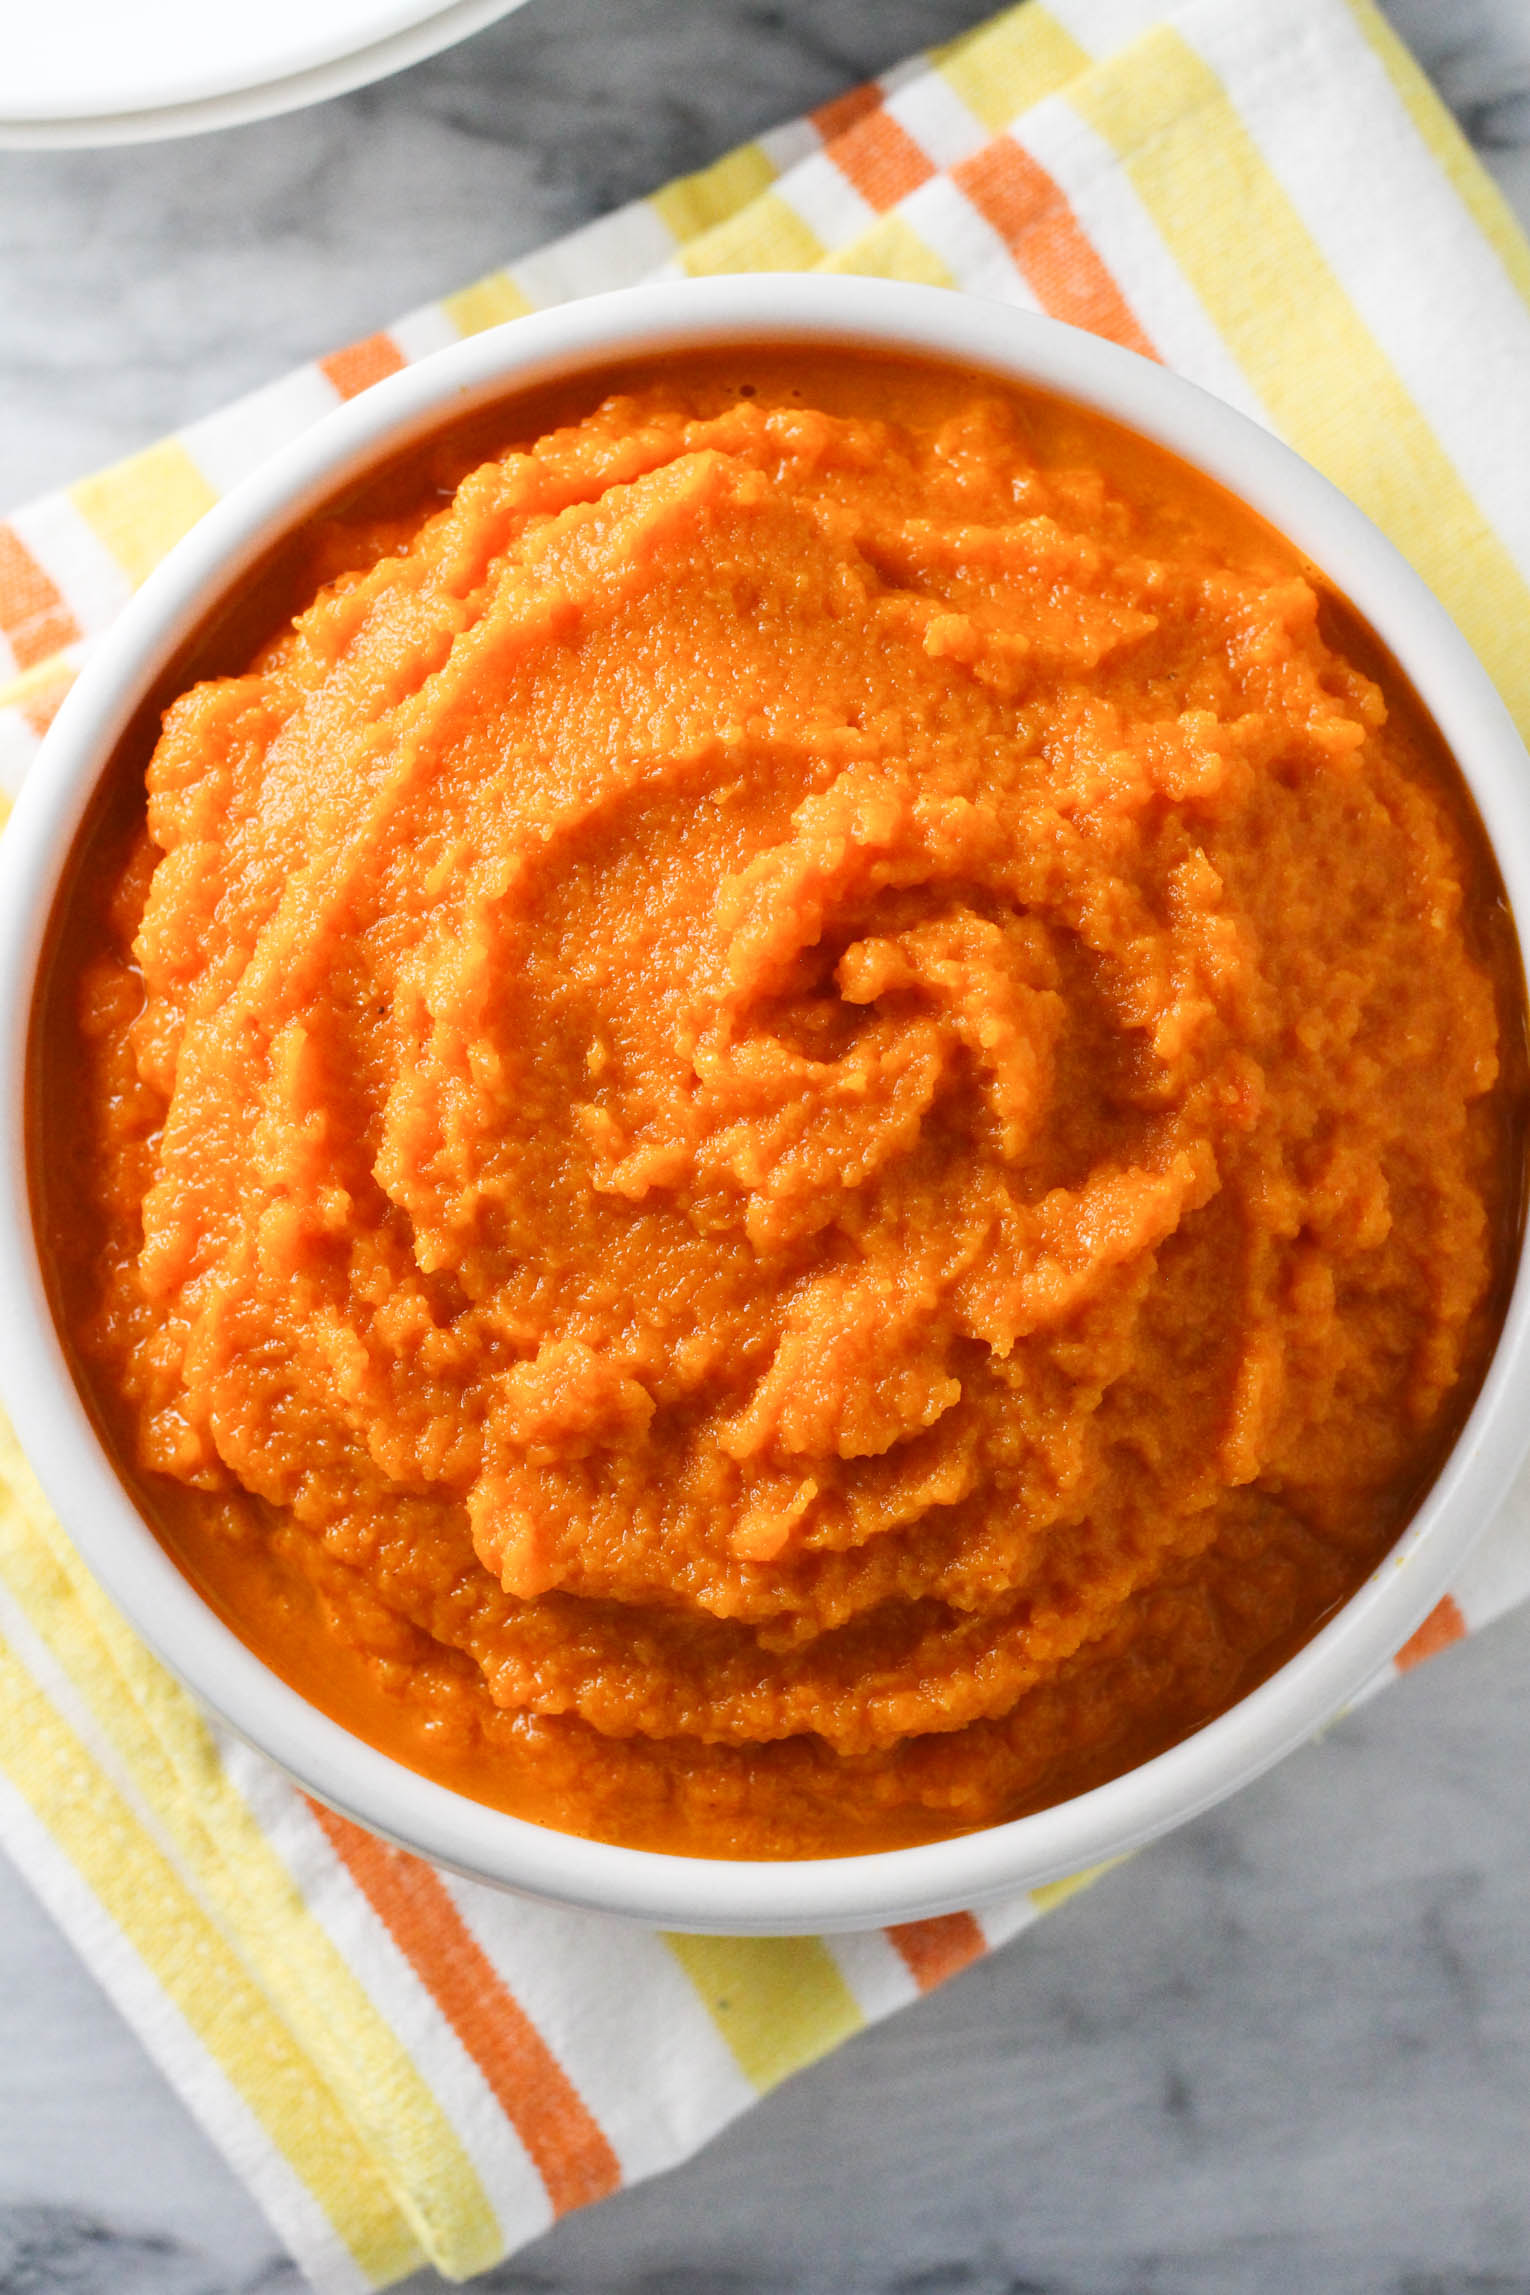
point(798, 1115)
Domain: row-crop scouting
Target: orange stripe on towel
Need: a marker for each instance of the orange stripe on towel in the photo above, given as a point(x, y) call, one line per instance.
point(359, 365)
point(33, 614)
point(565, 2143)
point(881, 159)
point(43, 705)
point(840, 113)
point(935, 1949)
point(1443, 1626)
point(1029, 211)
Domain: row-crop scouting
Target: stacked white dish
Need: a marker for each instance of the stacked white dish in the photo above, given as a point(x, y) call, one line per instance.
point(96, 72)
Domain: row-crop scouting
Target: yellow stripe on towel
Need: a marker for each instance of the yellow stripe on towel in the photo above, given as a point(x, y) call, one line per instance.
point(892, 249)
point(765, 236)
point(198, 1972)
point(1193, 163)
point(487, 303)
point(1002, 69)
point(157, 1735)
point(696, 203)
point(779, 2001)
point(140, 508)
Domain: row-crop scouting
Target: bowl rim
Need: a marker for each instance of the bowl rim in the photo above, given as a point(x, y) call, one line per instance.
point(706, 1894)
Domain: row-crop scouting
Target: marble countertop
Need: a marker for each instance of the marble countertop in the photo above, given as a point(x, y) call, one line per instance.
point(1287, 2051)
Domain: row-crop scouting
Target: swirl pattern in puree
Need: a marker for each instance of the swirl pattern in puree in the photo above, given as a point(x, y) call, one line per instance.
point(794, 1118)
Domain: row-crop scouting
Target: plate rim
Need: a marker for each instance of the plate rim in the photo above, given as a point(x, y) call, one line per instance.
point(448, 23)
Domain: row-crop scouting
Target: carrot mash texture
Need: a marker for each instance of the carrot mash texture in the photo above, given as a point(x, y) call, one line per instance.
point(789, 1123)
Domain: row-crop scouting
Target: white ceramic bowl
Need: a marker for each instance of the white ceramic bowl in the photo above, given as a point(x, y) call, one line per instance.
point(685, 1892)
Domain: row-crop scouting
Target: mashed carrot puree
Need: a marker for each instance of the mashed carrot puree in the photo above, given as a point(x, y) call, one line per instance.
point(791, 1131)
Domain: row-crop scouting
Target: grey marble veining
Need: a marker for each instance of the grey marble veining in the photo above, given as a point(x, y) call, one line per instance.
point(1286, 2052)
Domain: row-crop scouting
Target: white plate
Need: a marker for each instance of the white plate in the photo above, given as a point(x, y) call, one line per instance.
point(99, 71)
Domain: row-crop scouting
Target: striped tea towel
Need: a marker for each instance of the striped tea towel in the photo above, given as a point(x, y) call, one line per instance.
point(1268, 197)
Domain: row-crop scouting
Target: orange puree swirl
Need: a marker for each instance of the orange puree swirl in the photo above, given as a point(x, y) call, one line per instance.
point(797, 1111)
